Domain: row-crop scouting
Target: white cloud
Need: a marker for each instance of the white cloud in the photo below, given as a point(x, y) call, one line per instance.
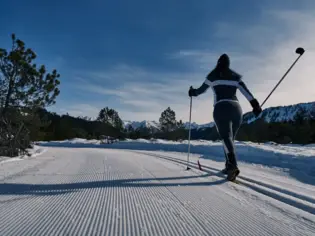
point(146, 100)
point(269, 53)
point(80, 109)
point(261, 53)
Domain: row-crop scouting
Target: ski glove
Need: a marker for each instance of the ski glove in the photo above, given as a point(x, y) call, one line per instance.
point(192, 92)
point(256, 107)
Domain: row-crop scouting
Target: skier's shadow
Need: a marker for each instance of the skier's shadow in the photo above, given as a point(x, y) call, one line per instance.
point(56, 189)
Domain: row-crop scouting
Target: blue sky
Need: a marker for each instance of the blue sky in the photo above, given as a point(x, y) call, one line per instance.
point(139, 57)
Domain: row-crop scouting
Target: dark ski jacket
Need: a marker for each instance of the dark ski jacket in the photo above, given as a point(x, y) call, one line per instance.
point(224, 85)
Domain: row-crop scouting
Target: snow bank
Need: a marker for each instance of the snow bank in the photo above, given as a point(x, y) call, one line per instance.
point(197, 146)
point(35, 151)
point(269, 154)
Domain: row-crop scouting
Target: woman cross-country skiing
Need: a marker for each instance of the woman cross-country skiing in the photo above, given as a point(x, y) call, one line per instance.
point(227, 111)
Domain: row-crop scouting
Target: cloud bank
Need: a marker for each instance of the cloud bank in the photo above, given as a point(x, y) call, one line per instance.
point(261, 52)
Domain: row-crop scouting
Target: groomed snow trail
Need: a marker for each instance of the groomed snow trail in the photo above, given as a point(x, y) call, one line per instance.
point(94, 191)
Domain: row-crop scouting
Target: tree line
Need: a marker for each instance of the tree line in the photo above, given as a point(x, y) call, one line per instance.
point(108, 123)
point(28, 89)
point(298, 131)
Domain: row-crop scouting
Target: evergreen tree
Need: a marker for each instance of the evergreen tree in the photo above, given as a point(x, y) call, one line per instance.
point(22, 83)
point(168, 120)
point(110, 116)
point(24, 89)
point(103, 115)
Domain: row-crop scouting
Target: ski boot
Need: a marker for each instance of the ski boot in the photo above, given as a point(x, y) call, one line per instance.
point(232, 169)
point(225, 170)
point(232, 173)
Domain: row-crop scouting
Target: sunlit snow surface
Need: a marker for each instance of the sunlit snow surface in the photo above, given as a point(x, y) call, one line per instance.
point(141, 187)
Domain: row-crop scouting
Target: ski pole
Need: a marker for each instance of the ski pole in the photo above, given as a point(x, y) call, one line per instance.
point(189, 137)
point(189, 133)
point(299, 51)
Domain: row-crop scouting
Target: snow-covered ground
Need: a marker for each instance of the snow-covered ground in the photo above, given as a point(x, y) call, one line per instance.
point(296, 160)
point(80, 187)
point(33, 152)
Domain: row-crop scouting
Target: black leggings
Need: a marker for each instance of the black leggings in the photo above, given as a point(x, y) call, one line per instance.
point(228, 117)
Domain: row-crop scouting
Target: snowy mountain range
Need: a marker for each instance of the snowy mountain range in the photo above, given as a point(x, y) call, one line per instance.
point(284, 113)
point(196, 126)
point(156, 126)
point(272, 114)
point(141, 124)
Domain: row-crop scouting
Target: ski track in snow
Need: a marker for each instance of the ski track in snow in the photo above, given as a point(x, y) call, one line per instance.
point(93, 191)
point(300, 196)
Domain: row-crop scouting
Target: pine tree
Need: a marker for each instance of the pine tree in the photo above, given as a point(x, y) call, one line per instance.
point(22, 83)
point(103, 115)
point(118, 123)
point(168, 120)
point(110, 116)
point(25, 88)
